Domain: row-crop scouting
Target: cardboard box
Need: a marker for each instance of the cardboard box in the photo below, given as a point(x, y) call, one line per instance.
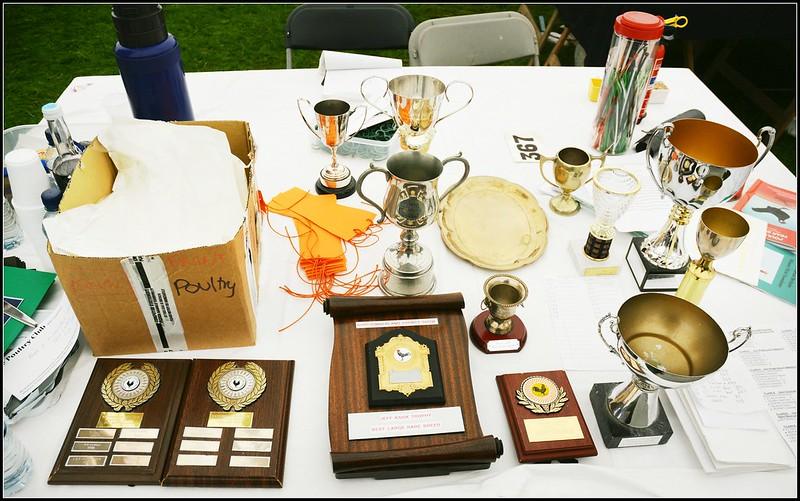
point(193, 299)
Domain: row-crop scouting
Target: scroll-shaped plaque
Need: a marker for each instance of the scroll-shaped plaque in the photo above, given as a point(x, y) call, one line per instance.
point(124, 423)
point(545, 419)
point(361, 320)
point(233, 427)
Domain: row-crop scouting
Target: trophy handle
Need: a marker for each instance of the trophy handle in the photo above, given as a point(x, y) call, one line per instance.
point(361, 90)
point(471, 95)
point(308, 103)
point(771, 132)
point(372, 169)
point(667, 127)
point(456, 158)
point(484, 306)
point(613, 326)
point(347, 138)
point(742, 331)
point(543, 159)
point(592, 158)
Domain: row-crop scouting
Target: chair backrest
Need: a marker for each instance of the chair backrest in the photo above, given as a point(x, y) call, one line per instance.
point(471, 40)
point(347, 27)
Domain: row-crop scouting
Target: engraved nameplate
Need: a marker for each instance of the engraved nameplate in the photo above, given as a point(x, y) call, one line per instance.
point(200, 445)
point(252, 446)
point(140, 433)
point(124, 460)
point(120, 420)
point(199, 432)
point(412, 322)
point(86, 461)
point(230, 419)
point(106, 434)
point(253, 433)
point(550, 429)
point(196, 460)
point(639, 441)
point(91, 447)
point(146, 447)
point(405, 423)
point(250, 461)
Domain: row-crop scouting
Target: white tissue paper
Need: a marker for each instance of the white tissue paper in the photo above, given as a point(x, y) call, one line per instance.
point(177, 187)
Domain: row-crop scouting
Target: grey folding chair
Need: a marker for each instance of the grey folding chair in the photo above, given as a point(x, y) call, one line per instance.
point(347, 27)
point(472, 40)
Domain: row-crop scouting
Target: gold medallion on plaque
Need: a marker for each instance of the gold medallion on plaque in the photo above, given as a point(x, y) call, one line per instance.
point(234, 388)
point(403, 365)
point(541, 395)
point(127, 387)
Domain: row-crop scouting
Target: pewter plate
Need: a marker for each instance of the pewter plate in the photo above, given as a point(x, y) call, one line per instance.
point(493, 224)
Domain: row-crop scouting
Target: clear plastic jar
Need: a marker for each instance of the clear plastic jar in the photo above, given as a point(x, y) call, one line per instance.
point(628, 68)
point(16, 463)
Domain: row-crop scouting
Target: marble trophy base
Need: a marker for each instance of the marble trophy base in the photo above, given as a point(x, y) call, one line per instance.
point(615, 434)
point(592, 267)
point(492, 343)
point(343, 192)
point(649, 277)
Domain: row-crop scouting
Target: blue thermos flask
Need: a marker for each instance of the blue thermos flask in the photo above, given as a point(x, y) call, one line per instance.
point(150, 63)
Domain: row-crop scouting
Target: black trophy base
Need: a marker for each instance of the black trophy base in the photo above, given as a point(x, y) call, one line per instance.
point(616, 434)
point(649, 277)
point(343, 192)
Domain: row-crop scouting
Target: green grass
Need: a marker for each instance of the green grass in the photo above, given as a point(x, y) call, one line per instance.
point(46, 46)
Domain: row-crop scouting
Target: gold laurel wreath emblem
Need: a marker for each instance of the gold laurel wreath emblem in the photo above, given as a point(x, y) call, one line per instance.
point(240, 403)
point(550, 408)
point(117, 403)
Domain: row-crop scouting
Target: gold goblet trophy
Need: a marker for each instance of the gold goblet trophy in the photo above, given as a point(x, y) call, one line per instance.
point(572, 168)
point(720, 232)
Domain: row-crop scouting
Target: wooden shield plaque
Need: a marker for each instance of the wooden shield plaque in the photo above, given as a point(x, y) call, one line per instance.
point(545, 419)
point(233, 426)
point(124, 423)
point(360, 320)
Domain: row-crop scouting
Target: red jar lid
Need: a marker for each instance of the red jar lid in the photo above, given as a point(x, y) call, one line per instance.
point(639, 25)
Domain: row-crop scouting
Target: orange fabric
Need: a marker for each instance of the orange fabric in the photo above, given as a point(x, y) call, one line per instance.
point(324, 229)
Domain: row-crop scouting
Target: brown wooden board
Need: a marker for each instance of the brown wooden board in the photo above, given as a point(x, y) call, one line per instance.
point(160, 412)
point(270, 410)
point(403, 456)
point(527, 451)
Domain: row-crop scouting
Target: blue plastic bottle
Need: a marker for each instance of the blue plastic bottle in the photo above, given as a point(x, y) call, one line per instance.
point(149, 61)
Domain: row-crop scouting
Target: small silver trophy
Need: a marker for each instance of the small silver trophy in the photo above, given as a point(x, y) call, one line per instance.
point(333, 116)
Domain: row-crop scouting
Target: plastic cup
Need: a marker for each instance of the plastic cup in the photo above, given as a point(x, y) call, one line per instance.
point(27, 176)
point(30, 219)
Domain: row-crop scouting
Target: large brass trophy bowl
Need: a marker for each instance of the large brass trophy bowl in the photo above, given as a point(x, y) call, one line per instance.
point(698, 164)
point(666, 342)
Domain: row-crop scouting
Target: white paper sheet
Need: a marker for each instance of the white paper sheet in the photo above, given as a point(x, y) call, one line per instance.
point(575, 306)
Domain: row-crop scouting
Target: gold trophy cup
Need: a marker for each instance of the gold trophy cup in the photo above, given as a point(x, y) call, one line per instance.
point(719, 232)
point(572, 168)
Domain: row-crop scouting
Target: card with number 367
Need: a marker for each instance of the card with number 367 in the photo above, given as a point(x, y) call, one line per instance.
point(522, 146)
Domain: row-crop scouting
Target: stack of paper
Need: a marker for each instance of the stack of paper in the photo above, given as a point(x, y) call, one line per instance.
point(744, 416)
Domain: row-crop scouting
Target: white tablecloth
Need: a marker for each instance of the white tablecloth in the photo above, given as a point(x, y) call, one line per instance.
point(550, 102)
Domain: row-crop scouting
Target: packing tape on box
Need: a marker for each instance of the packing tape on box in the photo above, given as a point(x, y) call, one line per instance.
point(150, 283)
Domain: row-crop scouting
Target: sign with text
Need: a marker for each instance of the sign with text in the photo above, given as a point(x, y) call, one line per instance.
point(522, 146)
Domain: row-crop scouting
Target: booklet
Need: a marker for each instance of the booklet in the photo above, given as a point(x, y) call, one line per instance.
point(23, 289)
point(776, 206)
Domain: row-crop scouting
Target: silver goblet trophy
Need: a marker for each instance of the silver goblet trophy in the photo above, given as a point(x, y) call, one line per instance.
point(698, 163)
point(332, 119)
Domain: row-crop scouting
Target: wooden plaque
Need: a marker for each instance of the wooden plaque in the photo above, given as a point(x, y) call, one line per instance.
point(407, 456)
point(108, 446)
point(246, 447)
point(540, 436)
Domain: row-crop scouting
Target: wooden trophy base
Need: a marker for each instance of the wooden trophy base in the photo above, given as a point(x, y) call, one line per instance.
point(492, 343)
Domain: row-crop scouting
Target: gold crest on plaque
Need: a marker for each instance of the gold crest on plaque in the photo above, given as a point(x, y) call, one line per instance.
point(127, 387)
point(234, 388)
point(541, 395)
point(403, 365)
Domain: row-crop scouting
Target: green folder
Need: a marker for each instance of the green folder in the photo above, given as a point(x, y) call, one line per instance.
point(25, 290)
